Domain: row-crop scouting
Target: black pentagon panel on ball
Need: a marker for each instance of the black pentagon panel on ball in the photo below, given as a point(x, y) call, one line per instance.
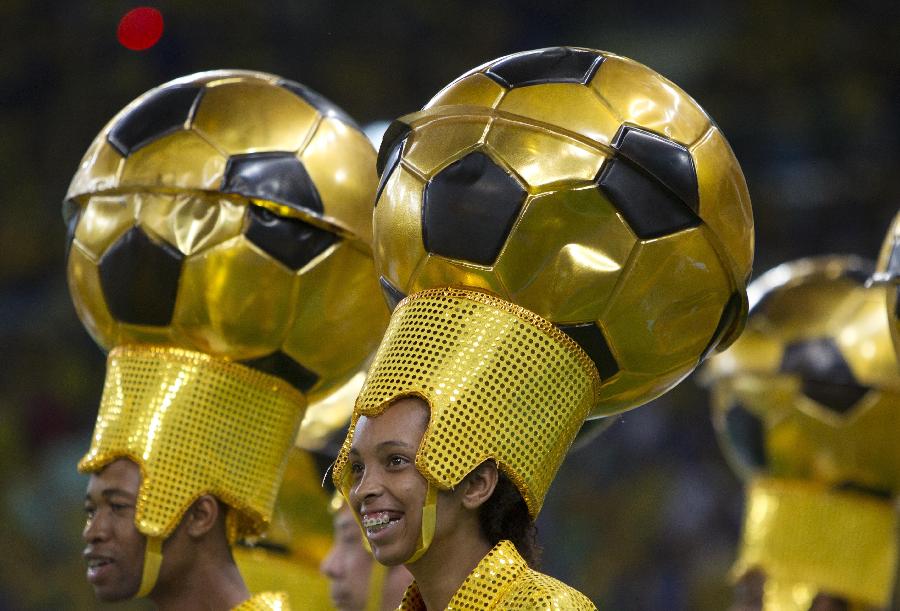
point(859, 488)
point(326, 107)
point(649, 208)
point(282, 366)
point(825, 375)
point(392, 144)
point(893, 265)
point(392, 295)
point(71, 215)
point(591, 339)
point(746, 434)
point(553, 65)
point(139, 277)
point(665, 160)
point(161, 113)
point(276, 177)
point(860, 275)
point(469, 209)
point(730, 314)
point(289, 241)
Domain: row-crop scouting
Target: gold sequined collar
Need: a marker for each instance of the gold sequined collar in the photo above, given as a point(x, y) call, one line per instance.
point(265, 601)
point(484, 587)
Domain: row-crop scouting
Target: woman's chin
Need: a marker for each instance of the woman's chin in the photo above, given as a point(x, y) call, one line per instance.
point(390, 557)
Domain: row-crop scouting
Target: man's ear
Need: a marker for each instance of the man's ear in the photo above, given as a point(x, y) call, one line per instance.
point(480, 484)
point(202, 515)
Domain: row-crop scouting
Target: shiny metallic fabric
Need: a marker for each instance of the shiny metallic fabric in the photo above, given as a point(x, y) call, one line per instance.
point(229, 212)
point(501, 383)
point(195, 424)
point(584, 187)
point(809, 539)
point(183, 135)
point(887, 274)
point(328, 416)
point(265, 601)
point(503, 580)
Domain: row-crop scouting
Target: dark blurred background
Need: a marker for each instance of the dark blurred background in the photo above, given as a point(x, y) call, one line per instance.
point(646, 516)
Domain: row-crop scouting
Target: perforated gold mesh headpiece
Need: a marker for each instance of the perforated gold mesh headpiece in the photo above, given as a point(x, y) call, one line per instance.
point(810, 539)
point(501, 382)
point(195, 424)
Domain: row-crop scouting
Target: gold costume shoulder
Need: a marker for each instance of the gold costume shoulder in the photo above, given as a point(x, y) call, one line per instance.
point(265, 601)
point(503, 581)
point(535, 591)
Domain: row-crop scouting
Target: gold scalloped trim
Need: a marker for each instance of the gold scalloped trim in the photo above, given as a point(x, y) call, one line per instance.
point(246, 516)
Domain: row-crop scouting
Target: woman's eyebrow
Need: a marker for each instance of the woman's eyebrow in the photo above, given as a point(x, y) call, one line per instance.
point(393, 443)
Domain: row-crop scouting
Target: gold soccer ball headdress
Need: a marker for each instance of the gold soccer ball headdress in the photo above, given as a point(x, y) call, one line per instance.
point(229, 212)
point(586, 188)
point(807, 407)
point(574, 235)
point(219, 247)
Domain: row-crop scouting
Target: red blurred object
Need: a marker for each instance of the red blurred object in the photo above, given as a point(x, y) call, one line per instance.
point(140, 28)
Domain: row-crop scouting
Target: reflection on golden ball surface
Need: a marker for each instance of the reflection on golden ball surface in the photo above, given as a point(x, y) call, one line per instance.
point(229, 212)
point(586, 188)
point(811, 390)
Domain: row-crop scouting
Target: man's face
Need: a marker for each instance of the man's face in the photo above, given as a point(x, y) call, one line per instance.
point(115, 549)
point(348, 565)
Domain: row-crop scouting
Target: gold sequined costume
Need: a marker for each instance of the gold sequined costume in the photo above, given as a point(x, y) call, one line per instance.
point(219, 246)
point(564, 234)
point(807, 407)
point(265, 601)
point(502, 580)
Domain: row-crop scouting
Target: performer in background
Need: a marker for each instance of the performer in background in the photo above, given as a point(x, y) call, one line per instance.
point(574, 235)
point(807, 407)
point(219, 249)
point(358, 582)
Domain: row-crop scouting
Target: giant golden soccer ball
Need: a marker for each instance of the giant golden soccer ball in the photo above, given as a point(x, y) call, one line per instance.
point(585, 187)
point(811, 390)
point(229, 212)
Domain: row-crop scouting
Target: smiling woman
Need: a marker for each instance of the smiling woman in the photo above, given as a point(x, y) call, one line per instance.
point(386, 490)
point(574, 236)
point(485, 510)
point(452, 411)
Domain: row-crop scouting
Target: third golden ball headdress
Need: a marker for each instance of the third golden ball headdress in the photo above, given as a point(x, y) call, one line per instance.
point(807, 407)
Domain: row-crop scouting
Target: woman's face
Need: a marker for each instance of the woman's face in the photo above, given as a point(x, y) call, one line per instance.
point(386, 490)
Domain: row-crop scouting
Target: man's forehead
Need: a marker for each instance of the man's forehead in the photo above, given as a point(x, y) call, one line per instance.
point(121, 476)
